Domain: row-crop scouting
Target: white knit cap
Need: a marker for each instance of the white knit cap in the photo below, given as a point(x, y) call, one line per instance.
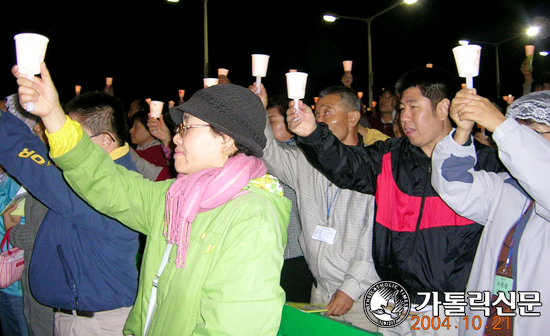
point(535, 105)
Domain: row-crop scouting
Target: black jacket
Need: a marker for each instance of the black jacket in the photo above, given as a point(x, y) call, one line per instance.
point(418, 241)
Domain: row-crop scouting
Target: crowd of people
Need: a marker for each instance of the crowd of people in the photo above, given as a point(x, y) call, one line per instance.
point(206, 220)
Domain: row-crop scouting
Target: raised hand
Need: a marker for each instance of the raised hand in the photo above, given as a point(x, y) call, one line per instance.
point(301, 121)
point(159, 130)
point(43, 93)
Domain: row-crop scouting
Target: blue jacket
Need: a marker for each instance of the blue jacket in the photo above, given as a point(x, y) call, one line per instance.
point(8, 189)
point(82, 259)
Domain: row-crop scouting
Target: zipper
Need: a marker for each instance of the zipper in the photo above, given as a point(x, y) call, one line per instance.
point(419, 220)
point(68, 275)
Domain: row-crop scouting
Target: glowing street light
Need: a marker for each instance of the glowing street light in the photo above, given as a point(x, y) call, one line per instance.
point(333, 17)
point(532, 31)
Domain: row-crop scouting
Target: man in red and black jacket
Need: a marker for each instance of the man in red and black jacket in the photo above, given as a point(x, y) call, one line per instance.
point(419, 242)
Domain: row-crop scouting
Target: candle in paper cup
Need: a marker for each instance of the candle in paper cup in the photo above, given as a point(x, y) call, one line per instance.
point(259, 65)
point(315, 99)
point(148, 100)
point(347, 65)
point(155, 108)
point(171, 104)
point(467, 62)
point(296, 86)
point(109, 81)
point(360, 94)
point(181, 93)
point(529, 51)
point(77, 89)
point(208, 82)
point(30, 50)
point(259, 68)
point(222, 72)
point(463, 85)
point(429, 65)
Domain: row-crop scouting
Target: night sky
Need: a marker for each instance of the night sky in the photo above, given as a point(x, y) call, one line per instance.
point(154, 48)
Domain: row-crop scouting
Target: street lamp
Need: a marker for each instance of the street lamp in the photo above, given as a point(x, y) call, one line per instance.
point(333, 17)
point(530, 32)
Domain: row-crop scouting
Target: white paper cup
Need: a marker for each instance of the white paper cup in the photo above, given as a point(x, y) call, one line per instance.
point(259, 65)
point(467, 60)
point(30, 50)
point(171, 104)
point(429, 65)
point(296, 84)
point(360, 94)
point(181, 93)
point(208, 82)
point(77, 89)
point(155, 108)
point(347, 65)
point(222, 72)
point(109, 80)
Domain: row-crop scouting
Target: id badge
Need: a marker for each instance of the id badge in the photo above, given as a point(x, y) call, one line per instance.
point(324, 234)
point(503, 284)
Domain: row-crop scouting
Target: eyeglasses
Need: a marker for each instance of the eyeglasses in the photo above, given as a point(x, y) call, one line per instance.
point(181, 129)
point(541, 133)
point(109, 134)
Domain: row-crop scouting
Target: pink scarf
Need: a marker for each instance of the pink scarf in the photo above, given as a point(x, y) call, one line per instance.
point(203, 191)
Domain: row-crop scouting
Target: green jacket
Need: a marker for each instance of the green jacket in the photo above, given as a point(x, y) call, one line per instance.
point(230, 285)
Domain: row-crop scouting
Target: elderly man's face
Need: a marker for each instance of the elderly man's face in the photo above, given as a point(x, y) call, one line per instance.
point(329, 110)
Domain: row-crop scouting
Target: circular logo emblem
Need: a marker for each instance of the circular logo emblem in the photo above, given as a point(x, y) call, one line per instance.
point(387, 304)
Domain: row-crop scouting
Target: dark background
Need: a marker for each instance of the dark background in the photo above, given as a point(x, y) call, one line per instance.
point(154, 48)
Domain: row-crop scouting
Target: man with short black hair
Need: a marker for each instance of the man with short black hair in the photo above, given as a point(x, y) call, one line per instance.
point(418, 241)
point(84, 263)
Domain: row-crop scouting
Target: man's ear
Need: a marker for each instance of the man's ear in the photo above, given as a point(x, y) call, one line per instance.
point(106, 140)
point(353, 118)
point(442, 109)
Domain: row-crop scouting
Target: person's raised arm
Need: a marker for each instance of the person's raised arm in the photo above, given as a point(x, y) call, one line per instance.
point(282, 161)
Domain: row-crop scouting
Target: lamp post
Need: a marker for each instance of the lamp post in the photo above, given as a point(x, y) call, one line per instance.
point(332, 18)
point(206, 65)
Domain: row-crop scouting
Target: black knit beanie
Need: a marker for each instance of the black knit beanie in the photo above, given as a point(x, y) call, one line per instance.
point(231, 109)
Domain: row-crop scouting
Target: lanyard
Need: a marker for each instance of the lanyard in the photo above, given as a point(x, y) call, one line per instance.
point(520, 226)
point(329, 206)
